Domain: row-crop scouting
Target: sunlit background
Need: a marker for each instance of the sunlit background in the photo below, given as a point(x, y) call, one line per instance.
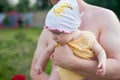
point(21, 23)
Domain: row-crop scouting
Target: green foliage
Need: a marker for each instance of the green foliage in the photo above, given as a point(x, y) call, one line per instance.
point(6, 21)
point(23, 6)
point(16, 52)
point(43, 4)
point(4, 6)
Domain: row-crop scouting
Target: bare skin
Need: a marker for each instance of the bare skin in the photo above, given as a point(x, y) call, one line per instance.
point(105, 25)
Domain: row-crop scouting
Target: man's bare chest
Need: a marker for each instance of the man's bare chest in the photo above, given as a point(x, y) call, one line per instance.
point(90, 26)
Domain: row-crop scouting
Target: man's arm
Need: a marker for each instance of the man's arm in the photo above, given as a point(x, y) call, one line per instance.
point(110, 41)
point(42, 44)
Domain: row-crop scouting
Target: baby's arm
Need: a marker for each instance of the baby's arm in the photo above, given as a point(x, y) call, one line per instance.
point(101, 56)
point(43, 58)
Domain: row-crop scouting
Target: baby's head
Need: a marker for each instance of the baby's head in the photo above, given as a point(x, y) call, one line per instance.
point(64, 17)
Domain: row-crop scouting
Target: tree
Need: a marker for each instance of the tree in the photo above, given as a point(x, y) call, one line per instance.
point(23, 6)
point(4, 6)
point(42, 4)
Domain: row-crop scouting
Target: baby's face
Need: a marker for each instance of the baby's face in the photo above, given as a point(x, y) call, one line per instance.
point(60, 37)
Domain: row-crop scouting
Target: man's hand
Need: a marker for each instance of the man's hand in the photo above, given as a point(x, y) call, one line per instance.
point(62, 56)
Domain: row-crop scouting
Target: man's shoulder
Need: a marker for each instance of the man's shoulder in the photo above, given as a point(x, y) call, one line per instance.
point(103, 16)
point(103, 12)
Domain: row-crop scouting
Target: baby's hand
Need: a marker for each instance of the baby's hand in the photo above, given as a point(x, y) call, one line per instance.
point(101, 69)
point(37, 68)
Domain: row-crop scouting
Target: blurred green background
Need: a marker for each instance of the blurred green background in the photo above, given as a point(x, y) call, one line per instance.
point(16, 50)
point(35, 5)
point(18, 42)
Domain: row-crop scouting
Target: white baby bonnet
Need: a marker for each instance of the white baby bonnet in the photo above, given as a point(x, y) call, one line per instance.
point(64, 16)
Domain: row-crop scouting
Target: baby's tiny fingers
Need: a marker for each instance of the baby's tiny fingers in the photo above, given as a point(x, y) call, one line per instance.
point(38, 71)
point(100, 71)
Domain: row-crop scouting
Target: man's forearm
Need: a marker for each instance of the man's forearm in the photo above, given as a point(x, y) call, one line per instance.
point(88, 69)
point(85, 67)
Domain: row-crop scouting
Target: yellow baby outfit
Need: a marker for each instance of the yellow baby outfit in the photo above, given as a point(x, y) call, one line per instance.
point(81, 48)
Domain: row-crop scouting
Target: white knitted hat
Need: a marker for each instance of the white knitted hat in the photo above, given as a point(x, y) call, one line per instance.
point(64, 16)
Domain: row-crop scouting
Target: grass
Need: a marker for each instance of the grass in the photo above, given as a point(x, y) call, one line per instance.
point(6, 34)
point(17, 48)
